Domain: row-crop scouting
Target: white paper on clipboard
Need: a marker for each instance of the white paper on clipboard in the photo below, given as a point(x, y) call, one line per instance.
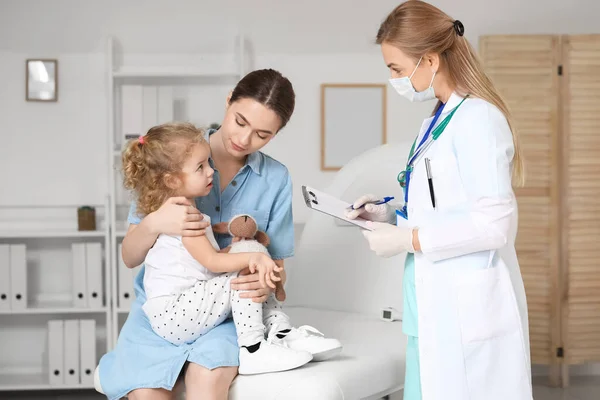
point(330, 205)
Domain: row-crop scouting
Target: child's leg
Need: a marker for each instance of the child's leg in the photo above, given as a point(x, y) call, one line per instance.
point(304, 338)
point(274, 317)
point(185, 317)
point(248, 318)
point(256, 354)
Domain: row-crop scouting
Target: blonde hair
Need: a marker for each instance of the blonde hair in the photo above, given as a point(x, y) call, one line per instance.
point(151, 159)
point(418, 28)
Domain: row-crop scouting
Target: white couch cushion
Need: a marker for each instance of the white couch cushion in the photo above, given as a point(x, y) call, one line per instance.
point(370, 366)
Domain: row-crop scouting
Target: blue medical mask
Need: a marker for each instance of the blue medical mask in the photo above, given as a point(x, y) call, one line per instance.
point(405, 88)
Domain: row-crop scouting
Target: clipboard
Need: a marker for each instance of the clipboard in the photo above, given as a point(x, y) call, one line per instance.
point(327, 204)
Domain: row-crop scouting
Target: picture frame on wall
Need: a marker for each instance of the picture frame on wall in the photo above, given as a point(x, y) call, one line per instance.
point(350, 111)
point(41, 80)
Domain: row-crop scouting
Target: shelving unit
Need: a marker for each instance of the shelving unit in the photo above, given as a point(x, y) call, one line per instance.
point(48, 234)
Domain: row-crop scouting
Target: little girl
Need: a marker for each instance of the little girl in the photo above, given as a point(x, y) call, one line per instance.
point(187, 280)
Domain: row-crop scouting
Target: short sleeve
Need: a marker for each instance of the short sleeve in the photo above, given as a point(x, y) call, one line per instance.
point(133, 218)
point(281, 223)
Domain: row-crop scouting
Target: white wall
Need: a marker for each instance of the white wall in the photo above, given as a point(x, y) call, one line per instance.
point(56, 153)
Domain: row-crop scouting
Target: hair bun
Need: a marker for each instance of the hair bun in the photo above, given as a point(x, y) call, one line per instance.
point(459, 28)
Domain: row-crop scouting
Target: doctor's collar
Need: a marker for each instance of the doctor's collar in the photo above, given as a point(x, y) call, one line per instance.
point(452, 102)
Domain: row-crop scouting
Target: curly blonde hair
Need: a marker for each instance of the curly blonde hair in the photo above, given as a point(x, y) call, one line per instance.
point(151, 159)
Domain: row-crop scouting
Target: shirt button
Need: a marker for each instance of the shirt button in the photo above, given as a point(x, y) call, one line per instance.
point(217, 208)
point(233, 183)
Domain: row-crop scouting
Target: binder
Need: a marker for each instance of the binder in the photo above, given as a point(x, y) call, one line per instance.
point(166, 107)
point(150, 107)
point(55, 352)
point(125, 282)
point(71, 352)
point(80, 297)
point(5, 295)
point(18, 276)
point(95, 294)
point(131, 112)
point(87, 350)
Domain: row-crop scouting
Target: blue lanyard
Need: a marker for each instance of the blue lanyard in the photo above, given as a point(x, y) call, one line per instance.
point(414, 153)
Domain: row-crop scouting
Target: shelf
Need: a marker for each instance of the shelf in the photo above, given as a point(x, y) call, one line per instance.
point(17, 382)
point(170, 72)
point(123, 311)
point(51, 234)
point(121, 234)
point(55, 307)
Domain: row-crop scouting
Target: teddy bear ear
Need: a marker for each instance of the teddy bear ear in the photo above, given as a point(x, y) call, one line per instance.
point(262, 238)
point(221, 227)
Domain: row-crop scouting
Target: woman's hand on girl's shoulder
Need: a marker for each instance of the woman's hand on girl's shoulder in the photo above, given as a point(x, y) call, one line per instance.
point(178, 217)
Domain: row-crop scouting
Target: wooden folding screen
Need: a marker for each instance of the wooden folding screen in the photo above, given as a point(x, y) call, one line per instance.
point(552, 86)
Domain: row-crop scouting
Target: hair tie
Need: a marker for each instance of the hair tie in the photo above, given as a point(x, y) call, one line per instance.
point(141, 140)
point(459, 28)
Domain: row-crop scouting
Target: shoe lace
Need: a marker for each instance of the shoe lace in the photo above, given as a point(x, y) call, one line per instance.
point(273, 339)
point(307, 330)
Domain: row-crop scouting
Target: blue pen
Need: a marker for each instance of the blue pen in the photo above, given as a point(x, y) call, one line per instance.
point(375, 202)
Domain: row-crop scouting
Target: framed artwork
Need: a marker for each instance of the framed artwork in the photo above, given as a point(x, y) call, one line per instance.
point(41, 80)
point(353, 120)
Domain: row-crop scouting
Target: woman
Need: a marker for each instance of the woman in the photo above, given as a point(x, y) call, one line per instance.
point(143, 365)
point(465, 311)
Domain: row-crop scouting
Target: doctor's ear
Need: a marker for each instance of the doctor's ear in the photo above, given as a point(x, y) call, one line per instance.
point(432, 60)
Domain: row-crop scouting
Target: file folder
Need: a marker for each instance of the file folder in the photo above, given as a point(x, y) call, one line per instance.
point(5, 292)
point(80, 297)
point(56, 352)
point(94, 285)
point(87, 350)
point(18, 276)
point(71, 352)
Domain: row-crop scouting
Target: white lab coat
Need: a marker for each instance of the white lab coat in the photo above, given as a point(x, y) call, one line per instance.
point(472, 310)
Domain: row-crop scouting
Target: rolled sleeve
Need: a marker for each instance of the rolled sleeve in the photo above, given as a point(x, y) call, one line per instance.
point(281, 223)
point(133, 218)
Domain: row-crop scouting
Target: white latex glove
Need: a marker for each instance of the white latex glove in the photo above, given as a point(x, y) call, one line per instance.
point(372, 212)
point(388, 240)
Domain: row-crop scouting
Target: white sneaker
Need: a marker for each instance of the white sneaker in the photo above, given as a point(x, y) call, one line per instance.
point(271, 357)
point(307, 338)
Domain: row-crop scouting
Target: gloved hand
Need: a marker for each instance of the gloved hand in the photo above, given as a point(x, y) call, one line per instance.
point(388, 240)
point(372, 212)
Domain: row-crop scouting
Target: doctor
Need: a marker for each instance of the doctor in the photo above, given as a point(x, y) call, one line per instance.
point(465, 311)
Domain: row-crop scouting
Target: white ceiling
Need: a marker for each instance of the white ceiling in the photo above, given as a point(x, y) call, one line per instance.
point(273, 26)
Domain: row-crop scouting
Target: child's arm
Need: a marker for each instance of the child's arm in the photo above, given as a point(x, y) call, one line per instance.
point(202, 250)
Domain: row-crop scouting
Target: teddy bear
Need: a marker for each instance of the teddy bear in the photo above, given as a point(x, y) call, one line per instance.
point(247, 238)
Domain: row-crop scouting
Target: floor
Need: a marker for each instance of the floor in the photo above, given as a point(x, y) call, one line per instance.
point(582, 388)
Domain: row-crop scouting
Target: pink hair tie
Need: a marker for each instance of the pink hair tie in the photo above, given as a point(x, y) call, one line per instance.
point(141, 140)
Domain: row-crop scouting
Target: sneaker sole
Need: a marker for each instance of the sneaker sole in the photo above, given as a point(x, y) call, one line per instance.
point(242, 371)
point(326, 355)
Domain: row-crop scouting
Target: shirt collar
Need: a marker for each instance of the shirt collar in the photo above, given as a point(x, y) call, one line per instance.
point(452, 102)
point(253, 160)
